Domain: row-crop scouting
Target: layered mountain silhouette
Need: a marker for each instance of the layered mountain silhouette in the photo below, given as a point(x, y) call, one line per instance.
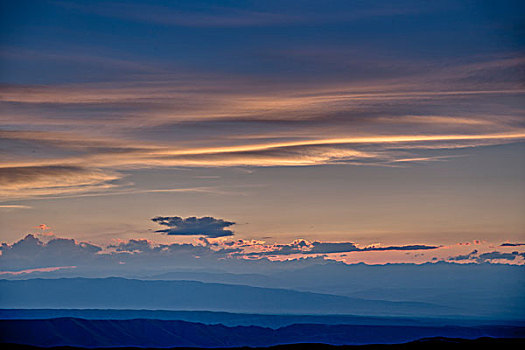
point(120, 293)
point(243, 319)
point(492, 291)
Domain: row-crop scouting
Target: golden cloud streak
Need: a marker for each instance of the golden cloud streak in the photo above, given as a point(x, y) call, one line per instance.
point(347, 140)
point(291, 153)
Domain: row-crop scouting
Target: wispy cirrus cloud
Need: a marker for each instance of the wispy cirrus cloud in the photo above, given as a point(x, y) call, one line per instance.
point(95, 171)
point(31, 181)
point(10, 207)
point(81, 138)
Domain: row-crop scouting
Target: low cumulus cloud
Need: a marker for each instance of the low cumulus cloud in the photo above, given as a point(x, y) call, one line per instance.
point(31, 252)
point(193, 226)
point(133, 245)
point(139, 256)
point(145, 247)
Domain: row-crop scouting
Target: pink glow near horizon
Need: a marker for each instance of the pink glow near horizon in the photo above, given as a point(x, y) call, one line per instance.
point(38, 269)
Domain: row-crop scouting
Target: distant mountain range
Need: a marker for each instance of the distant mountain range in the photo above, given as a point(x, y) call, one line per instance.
point(493, 291)
point(161, 333)
point(120, 293)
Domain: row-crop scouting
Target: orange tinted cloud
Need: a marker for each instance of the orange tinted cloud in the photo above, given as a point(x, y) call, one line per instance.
point(166, 121)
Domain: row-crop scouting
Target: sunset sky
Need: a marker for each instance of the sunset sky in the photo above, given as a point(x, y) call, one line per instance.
point(299, 124)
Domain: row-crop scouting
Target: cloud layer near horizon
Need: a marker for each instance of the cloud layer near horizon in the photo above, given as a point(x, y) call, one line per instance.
point(139, 255)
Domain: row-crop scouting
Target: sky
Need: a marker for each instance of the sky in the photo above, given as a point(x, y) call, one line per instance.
point(276, 128)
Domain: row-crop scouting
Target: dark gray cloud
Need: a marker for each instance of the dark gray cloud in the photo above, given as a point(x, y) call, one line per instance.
point(146, 248)
point(499, 256)
point(403, 247)
point(316, 247)
point(330, 247)
point(487, 257)
point(511, 244)
point(133, 245)
point(468, 256)
point(193, 226)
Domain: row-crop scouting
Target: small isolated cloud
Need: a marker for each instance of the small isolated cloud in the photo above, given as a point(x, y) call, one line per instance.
point(192, 226)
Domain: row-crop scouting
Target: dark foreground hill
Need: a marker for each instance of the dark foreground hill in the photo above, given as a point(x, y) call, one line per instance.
point(428, 343)
point(162, 334)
